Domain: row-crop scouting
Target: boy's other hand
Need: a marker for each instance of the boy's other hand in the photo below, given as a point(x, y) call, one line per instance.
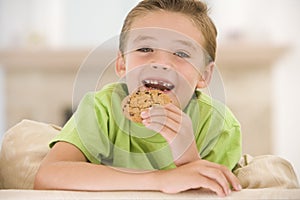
point(198, 174)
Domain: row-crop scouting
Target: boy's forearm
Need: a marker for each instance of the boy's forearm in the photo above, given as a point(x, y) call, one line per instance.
point(189, 154)
point(90, 177)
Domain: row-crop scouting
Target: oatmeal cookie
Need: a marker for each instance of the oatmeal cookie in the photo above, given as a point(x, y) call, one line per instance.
point(140, 100)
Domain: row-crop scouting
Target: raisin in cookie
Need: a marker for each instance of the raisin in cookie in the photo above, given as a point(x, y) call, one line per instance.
point(140, 100)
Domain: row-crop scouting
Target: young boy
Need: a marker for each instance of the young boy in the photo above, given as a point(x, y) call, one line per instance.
point(190, 143)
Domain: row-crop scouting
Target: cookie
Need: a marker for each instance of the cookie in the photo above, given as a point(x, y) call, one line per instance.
point(141, 100)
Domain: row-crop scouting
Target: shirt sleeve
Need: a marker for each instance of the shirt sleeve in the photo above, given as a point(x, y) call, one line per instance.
point(82, 130)
point(69, 134)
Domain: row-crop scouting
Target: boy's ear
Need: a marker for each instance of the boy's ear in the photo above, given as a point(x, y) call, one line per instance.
point(205, 76)
point(120, 65)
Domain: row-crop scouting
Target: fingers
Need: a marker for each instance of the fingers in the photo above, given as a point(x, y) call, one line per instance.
point(212, 185)
point(162, 120)
point(169, 111)
point(230, 177)
point(234, 181)
point(198, 174)
point(176, 127)
point(226, 176)
point(218, 177)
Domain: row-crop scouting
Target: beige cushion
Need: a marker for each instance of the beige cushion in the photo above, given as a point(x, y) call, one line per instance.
point(23, 148)
point(266, 171)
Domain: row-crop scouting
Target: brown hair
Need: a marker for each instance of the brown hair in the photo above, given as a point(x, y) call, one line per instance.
point(195, 9)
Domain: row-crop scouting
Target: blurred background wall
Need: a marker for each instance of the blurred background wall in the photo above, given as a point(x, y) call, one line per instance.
point(43, 44)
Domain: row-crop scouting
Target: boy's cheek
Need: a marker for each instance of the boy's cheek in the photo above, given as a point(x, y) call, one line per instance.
point(134, 61)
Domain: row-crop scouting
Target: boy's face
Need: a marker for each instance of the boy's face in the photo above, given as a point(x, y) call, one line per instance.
point(164, 51)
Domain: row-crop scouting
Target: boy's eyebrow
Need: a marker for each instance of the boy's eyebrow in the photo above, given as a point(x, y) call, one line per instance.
point(143, 38)
point(187, 44)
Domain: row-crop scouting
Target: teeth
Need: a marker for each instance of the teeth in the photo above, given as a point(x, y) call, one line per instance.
point(155, 82)
point(167, 84)
point(159, 84)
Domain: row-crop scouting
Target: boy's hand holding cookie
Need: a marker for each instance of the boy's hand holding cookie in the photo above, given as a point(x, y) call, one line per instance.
point(176, 127)
point(155, 109)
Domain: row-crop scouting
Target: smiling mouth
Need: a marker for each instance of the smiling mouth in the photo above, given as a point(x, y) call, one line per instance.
point(158, 84)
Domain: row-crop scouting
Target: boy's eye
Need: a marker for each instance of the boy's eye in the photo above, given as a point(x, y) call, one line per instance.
point(145, 50)
point(181, 54)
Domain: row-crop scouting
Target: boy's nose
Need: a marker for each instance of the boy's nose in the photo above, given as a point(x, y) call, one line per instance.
point(160, 67)
point(162, 60)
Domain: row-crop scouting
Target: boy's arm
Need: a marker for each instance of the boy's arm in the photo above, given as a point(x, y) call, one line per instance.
point(66, 168)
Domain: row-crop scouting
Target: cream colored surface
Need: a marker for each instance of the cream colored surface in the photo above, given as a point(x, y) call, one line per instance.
point(25, 145)
point(132, 195)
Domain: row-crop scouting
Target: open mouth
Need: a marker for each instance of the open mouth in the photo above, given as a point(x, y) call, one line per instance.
point(158, 84)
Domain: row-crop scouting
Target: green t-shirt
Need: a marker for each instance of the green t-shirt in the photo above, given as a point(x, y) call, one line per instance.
point(105, 136)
